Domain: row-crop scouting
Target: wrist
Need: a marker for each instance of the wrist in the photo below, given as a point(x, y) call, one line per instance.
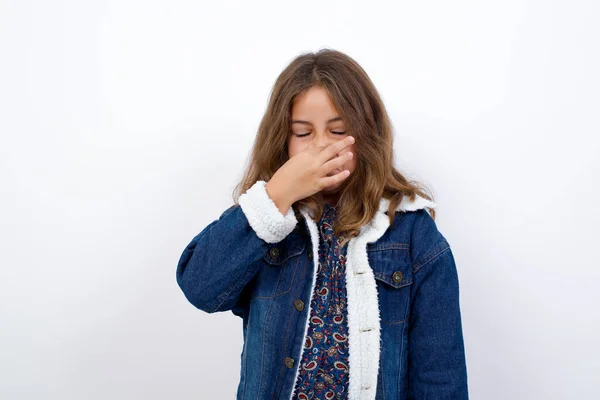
point(278, 197)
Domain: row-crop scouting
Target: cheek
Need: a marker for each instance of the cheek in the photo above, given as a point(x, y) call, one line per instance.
point(293, 148)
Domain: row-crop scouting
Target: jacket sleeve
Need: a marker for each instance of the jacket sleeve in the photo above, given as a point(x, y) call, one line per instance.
point(436, 355)
point(218, 263)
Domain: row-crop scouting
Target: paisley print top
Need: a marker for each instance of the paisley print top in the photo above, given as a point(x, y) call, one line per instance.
point(324, 366)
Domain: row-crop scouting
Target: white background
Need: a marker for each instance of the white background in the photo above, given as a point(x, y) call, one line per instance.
point(126, 124)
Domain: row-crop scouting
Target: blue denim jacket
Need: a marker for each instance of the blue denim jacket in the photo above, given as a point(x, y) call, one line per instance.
point(404, 322)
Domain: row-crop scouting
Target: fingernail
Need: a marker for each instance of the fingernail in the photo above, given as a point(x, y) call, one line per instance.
point(351, 139)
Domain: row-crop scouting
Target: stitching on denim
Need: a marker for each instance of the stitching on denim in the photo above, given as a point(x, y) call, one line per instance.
point(388, 246)
point(277, 294)
point(287, 332)
point(429, 258)
point(392, 322)
point(387, 322)
point(246, 356)
point(402, 347)
point(282, 274)
point(385, 279)
point(238, 283)
point(262, 358)
point(269, 261)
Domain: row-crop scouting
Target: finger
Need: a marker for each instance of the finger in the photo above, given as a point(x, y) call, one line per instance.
point(330, 151)
point(336, 162)
point(334, 179)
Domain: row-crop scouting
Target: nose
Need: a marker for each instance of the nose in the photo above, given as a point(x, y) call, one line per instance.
point(322, 140)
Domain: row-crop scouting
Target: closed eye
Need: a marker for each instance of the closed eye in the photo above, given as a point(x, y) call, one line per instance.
point(334, 132)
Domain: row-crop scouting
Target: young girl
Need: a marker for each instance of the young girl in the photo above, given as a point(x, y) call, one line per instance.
point(331, 257)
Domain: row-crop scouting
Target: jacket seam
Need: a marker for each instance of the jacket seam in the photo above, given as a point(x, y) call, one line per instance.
point(429, 257)
point(225, 295)
point(282, 367)
point(403, 348)
point(262, 352)
point(246, 357)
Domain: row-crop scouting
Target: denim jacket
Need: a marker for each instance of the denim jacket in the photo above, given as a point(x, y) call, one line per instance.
point(404, 322)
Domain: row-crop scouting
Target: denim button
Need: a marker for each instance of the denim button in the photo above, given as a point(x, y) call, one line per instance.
point(274, 252)
point(310, 256)
point(299, 304)
point(289, 362)
point(397, 277)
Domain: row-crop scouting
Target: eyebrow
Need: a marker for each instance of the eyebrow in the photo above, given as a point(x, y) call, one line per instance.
point(299, 121)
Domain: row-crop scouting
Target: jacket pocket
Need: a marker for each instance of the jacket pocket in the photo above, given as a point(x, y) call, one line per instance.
point(392, 269)
point(278, 267)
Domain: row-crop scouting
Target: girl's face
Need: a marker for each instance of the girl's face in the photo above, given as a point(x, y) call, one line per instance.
point(316, 122)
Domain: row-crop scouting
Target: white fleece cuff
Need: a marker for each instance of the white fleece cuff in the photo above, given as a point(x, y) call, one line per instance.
point(263, 215)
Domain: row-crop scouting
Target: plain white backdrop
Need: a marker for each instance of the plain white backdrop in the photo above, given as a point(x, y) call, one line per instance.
point(126, 124)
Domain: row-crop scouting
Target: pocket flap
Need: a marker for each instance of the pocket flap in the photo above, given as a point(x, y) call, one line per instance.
point(278, 253)
point(390, 263)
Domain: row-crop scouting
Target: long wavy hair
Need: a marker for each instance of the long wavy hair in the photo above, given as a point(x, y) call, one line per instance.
point(363, 112)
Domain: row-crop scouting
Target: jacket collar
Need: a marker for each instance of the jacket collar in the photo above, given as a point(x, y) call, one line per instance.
point(362, 302)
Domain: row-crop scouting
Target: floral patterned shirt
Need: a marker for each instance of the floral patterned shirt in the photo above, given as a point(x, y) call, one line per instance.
point(324, 366)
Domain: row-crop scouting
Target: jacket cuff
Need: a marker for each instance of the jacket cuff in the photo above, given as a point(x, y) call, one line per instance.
point(263, 215)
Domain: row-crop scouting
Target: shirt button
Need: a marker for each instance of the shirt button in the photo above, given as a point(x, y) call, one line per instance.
point(274, 252)
point(289, 362)
point(397, 277)
point(299, 304)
